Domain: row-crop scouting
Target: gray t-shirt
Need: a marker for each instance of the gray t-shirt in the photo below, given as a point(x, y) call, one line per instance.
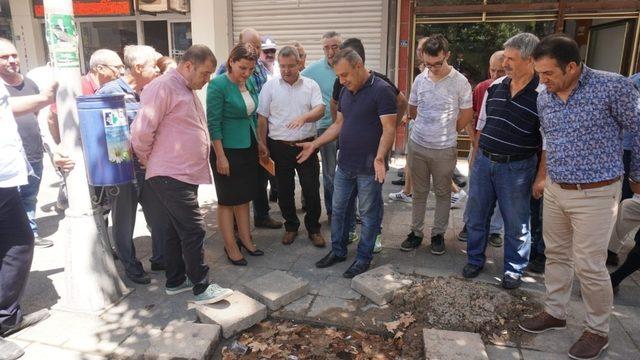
point(439, 105)
point(28, 127)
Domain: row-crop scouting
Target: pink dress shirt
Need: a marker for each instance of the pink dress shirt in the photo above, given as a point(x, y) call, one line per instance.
point(170, 135)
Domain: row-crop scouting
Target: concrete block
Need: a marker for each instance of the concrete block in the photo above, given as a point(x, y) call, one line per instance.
point(445, 344)
point(234, 314)
point(182, 340)
point(135, 346)
point(379, 284)
point(503, 353)
point(277, 289)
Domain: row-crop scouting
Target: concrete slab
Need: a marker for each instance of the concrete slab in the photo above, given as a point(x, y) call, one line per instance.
point(297, 309)
point(338, 287)
point(41, 351)
point(503, 353)
point(234, 314)
point(538, 355)
point(134, 346)
point(333, 310)
point(277, 289)
point(182, 340)
point(444, 344)
point(379, 284)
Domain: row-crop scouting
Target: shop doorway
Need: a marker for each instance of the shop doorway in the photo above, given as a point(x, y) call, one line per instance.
point(156, 34)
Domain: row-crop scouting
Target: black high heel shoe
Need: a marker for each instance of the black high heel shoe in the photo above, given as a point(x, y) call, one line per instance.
point(241, 262)
point(258, 252)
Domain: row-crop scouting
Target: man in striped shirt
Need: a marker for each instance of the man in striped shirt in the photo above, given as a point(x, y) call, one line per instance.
point(505, 164)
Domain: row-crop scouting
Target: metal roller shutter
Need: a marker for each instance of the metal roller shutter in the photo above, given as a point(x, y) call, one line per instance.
point(306, 20)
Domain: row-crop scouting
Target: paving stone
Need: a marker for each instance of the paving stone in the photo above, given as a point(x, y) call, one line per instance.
point(236, 313)
point(503, 353)
point(41, 351)
point(445, 344)
point(379, 284)
point(333, 310)
point(338, 287)
point(134, 347)
point(182, 340)
point(538, 355)
point(277, 289)
point(296, 309)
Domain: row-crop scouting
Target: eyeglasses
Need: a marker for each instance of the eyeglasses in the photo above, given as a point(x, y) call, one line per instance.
point(269, 51)
point(332, 47)
point(435, 65)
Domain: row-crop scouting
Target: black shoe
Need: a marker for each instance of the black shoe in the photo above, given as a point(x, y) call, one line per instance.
point(241, 246)
point(241, 262)
point(614, 287)
point(537, 265)
point(399, 182)
point(27, 320)
point(612, 258)
point(9, 350)
point(437, 244)
point(268, 223)
point(463, 235)
point(411, 242)
point(330, 260)
point(355, 269)
point(273, 196)
point(142, 279)
point(471, 271)
point(509, 282)
point(495, 240)
point(157, 267)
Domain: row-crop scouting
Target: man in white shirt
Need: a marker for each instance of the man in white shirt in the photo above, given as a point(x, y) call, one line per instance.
point(441, 104)
point(289, 107)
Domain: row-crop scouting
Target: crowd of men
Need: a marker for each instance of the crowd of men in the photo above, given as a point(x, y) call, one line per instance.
point(546, 134)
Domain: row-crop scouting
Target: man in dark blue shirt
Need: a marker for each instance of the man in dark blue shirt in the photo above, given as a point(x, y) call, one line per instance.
point(365, 124)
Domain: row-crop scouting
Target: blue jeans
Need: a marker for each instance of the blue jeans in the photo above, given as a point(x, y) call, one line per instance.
point(495, 227)
point(510, 185)
point(29, 194)
point(347, 186)
point(328, 152)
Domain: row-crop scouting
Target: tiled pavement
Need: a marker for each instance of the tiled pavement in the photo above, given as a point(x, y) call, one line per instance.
point(129, 324)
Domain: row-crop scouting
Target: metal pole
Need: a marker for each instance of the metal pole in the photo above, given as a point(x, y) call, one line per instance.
point(92, 283)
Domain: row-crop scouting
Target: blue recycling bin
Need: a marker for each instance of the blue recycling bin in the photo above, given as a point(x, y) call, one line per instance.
point(106, 139)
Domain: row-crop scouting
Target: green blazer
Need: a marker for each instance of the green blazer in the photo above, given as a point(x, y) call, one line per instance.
point(227, 117)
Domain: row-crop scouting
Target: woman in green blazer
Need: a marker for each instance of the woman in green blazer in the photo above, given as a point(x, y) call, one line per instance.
point(231, 105)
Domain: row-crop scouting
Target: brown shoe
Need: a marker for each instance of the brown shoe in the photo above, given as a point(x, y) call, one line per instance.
point(317, 240)
point(289, 237)
point(541, 323)
point(268, 223)
point(589, 346)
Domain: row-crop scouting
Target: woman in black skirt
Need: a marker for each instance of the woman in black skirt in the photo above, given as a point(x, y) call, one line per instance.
point(231, 105)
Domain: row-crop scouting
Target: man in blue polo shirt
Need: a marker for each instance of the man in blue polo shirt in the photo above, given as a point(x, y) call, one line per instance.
point(506, 162)
point(322, 72)
point(366, 124)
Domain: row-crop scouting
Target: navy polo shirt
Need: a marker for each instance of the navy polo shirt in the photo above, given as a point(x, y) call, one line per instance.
point(512, 123)
point(361, 128)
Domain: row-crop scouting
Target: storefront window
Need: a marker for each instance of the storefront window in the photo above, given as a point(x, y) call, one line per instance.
point(5, 20)
point(114, 35)
point(180, 38)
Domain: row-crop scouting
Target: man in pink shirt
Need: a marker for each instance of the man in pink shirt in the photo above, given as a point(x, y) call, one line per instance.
point(171, 140)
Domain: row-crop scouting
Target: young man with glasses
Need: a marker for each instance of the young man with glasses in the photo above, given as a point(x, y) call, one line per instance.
point(441, 104)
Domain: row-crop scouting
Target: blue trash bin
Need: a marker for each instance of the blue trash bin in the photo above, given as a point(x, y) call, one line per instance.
point(106, 139)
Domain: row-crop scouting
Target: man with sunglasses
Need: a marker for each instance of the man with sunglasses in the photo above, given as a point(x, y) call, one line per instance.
point(441, 104)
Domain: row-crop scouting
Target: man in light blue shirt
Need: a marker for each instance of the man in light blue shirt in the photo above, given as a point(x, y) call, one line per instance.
point(322, 72)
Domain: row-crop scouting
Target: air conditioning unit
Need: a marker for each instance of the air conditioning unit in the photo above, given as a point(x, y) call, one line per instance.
point(158, 6)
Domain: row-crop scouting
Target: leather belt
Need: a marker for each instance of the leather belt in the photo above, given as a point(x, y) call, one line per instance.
point(500, 158)
point(586, 186)
point(294, 143)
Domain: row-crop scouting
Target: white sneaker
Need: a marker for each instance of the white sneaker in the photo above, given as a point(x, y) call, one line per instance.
point(458, 198)
point(213, 294)
point(401, 196)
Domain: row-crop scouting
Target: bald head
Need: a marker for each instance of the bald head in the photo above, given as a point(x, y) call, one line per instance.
point(250, 36)
point(495, 65)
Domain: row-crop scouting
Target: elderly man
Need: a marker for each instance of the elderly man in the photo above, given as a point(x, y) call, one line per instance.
point(259, 77)
point(495, 71)
point(289, 107)
point(104, 65)
point(366, 125)
point(440, 102)
point(505, 162)
point(268, 49)
point(323, 73)
point(140, 62)
point(582, 113)
point(171, 140)
point(29, 131)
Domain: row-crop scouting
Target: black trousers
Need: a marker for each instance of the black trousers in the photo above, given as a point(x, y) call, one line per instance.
point(16, 254)
point(284, 157)
point(184, 240)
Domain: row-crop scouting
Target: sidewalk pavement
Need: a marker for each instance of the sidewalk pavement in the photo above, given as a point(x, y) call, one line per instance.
point(128, 325)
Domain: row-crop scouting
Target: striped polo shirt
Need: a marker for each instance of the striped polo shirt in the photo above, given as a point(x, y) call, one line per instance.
point(510, 126)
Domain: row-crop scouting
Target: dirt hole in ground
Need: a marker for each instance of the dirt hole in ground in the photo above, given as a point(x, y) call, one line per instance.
point(440, 303)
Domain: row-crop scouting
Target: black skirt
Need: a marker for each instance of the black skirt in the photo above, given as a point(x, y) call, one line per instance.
point(241, 185)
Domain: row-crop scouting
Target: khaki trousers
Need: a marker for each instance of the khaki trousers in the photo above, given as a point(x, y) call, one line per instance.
point(577, 225)
point(426, 164)
point(628, 219)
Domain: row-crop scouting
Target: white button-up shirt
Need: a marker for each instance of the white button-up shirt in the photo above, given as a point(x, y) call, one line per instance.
point(14, 168)
point(439, 104)
point(280, 103)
